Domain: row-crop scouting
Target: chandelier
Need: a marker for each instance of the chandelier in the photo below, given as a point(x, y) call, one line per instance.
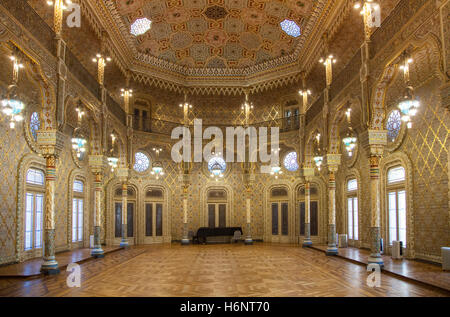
point(318, 156)
point(350, 138)
point(12, 106)
point(157, 167)
point(409, 105)
point(371, 12)
point(216, 170)
point(64, 5)
point(113, 161)
point(276, 171)
point(78, 140)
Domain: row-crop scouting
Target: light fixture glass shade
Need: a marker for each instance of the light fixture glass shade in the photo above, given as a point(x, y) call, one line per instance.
point(318, 160)
point(112, 161)
point(79, 145)
point(157, 169)
point(350, 143)
point(216, 170)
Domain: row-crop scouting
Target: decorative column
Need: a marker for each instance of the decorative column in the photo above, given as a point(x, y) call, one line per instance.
point(97, 164)
point(377, 141)
point(185, 240)
point(122, 174)
point(308, 172)
point(51, 143)
point(333, 161)
point(249, 178)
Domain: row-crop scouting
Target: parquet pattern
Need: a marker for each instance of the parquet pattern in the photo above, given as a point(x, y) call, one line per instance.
point(217, 270)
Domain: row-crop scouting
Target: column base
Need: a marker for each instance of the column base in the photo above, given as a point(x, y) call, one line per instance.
point(376, 259)
point(98, 253)
point(185, 241)
point(331, 251)
point(50, 267)
point(248, 241)
point(307, 243)
point(124, 244)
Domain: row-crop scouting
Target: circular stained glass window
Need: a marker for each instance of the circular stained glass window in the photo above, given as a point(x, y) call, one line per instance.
point(290, 162)
point(393, 125)
point(141, 162)
point(217, 161)
point(35, 124)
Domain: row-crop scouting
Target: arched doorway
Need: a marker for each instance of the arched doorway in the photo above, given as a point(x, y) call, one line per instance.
point(279, 214)
point(314, 211)
point(155, 218)
point(131, 219)
point(218, 215)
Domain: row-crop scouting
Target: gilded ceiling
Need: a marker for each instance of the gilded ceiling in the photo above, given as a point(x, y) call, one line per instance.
point(214, 34)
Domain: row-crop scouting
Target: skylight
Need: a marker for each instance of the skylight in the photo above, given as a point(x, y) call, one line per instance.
point(140, 26)
point(290, 28)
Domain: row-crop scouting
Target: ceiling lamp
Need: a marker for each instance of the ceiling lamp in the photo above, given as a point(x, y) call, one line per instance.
point(409, 105)
point(216, 171)
point(350, 138)
point(64, 4)
point(276, 171)
point(318, 156)
point(371, 12)
point(12, 106)
point(157, 167)
point(290, 28)
point(140, 26)
point(79, 145)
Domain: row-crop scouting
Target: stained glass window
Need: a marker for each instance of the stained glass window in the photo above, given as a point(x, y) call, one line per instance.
point(217, 160)
point(140, 26)
point(290, 28)
point(393, 125)
point(35, 124)
point(290, 162)
point(142, 162)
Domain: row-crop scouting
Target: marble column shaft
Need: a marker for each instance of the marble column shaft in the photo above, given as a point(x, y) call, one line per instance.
point(375, 256)
point(124, 242)
point(332, 249)
point(97, 251)
point(307, 240)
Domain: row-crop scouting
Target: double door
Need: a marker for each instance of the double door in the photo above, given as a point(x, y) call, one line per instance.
point(153, 222)
point(217, 215)
point(130, 222)
point(280, 221)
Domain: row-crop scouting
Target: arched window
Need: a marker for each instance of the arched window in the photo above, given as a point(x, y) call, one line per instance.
point(35, 124)
point(77, 211)
point(393, 125)
point(352, 210)
point(290, 162)
point(141, 162)
point(396, 198)
point(34, 209)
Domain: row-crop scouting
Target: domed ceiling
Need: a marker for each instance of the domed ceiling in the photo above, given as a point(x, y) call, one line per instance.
point(214, 34)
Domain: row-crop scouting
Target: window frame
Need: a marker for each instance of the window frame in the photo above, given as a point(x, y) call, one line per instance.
point(78, 196)
point(352, 194)
point(34, 189)
point(396, 187)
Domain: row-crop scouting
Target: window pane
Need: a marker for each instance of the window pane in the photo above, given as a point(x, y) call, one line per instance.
point(74, 220)
point(159, 220)
point(78, 186)
point(28, 221)
point(275, 219)
point(148, 220)
point(392, 216)
point(212, 216)
point(402, 217)
point(352, 185)
point(396, 174)
point(285, 219)
point(355, 218)
point(35, 177)
point(39, 218)
point(222, 216)
point(314, 218)
point(130, 220)
point(350, 218)
point(80, 220)
point(118, 215)
point(302, 218)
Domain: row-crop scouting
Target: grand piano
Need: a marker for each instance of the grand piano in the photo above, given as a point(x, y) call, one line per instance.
point(203, 233)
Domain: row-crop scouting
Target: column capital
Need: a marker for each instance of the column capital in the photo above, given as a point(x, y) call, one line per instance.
point(374, 141)
point(122, 173)
point(333, 162)
point(98, 163)
point(51, 142)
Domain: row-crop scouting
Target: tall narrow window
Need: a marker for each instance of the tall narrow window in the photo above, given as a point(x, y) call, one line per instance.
point(77, 211)
point(396, 196)
point(352, 209)
point(34, 206)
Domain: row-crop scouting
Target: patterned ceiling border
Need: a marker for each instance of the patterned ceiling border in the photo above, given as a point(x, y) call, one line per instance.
point(328, 15)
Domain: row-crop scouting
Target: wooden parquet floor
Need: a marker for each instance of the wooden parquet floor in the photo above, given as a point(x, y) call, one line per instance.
point(217, 270)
